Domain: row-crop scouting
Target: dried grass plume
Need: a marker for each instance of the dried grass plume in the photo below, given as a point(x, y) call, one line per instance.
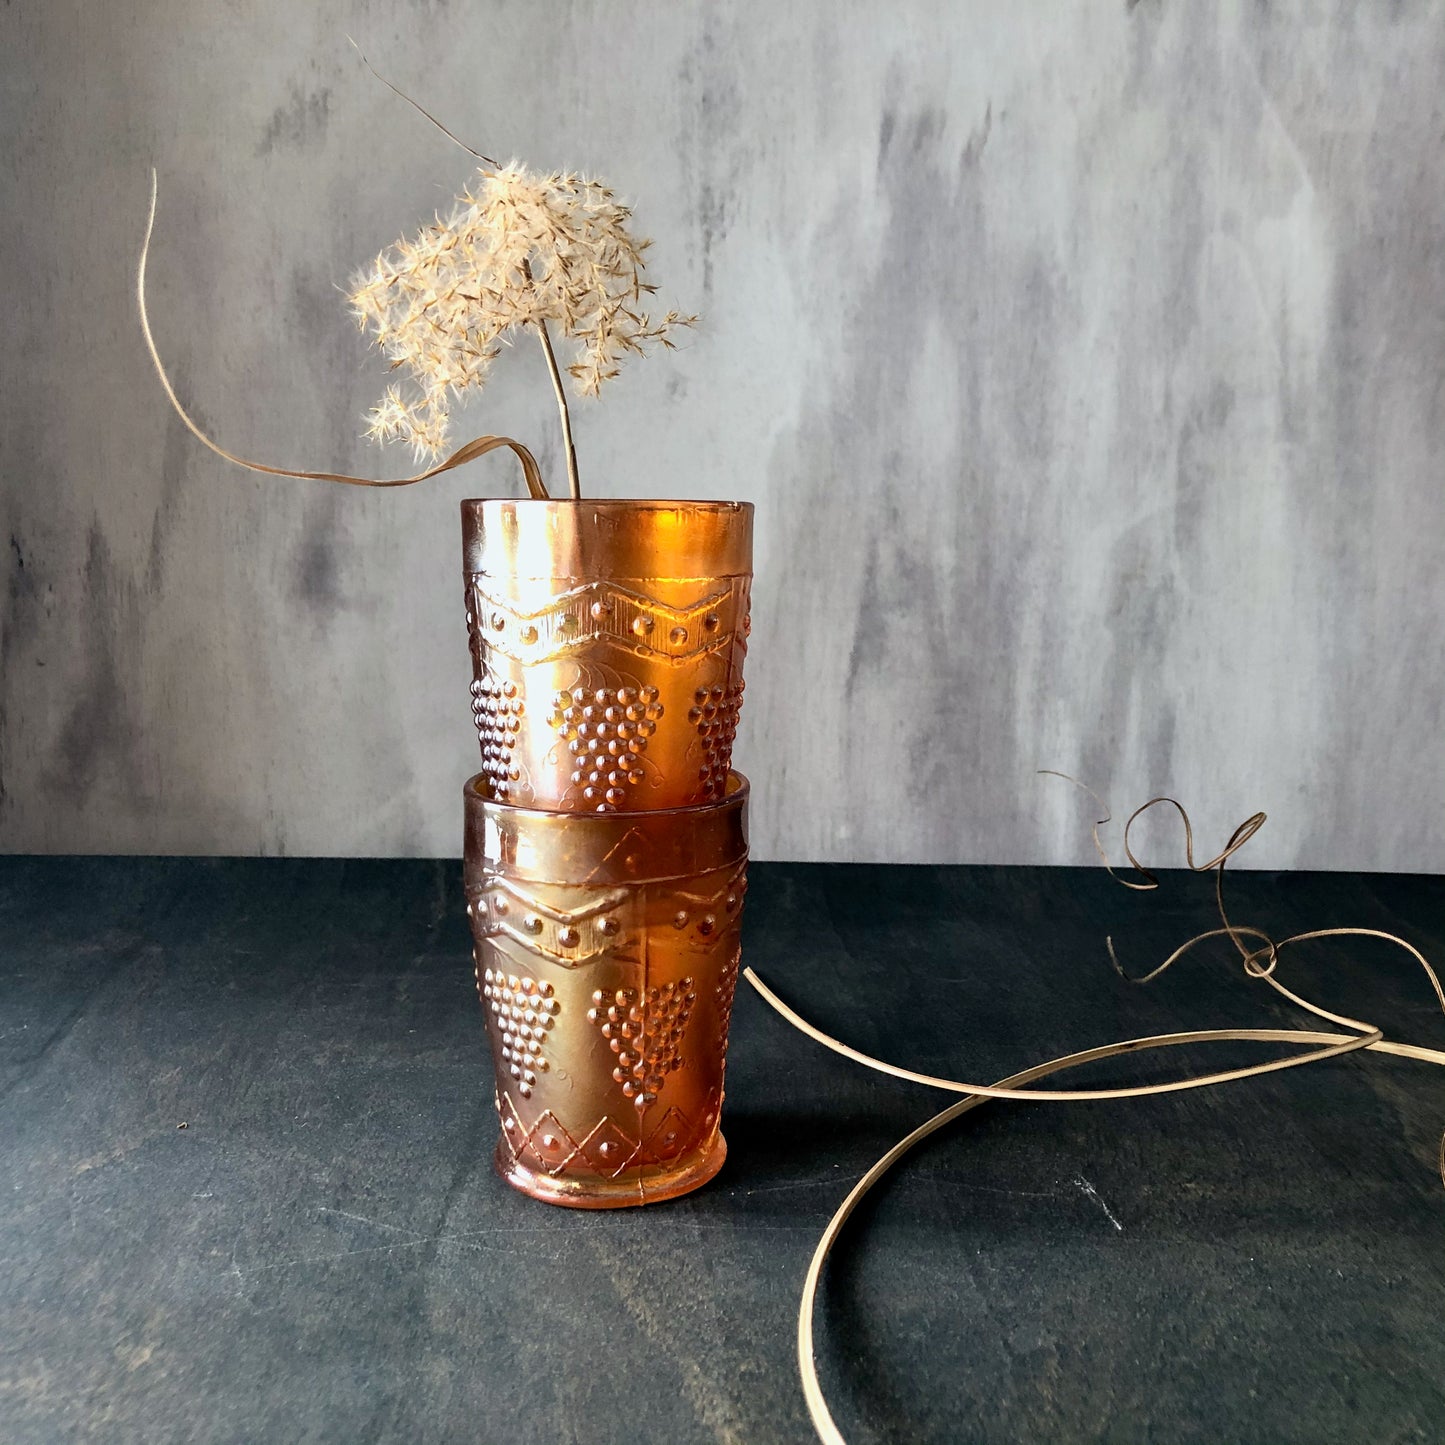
point(518, 250)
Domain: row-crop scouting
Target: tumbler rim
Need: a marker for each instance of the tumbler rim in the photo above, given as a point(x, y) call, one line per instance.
point(596, 537)
point(608, 503)
point(478, 789)
point(611, 849)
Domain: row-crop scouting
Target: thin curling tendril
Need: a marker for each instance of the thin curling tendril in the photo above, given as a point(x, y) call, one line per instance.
point(1259, 962)
point(469, 451)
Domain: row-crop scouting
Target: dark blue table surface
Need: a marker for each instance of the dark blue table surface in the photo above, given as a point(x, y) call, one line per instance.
point(323, 1253)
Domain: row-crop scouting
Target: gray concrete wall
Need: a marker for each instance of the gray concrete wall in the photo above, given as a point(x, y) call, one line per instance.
point(1086, 363)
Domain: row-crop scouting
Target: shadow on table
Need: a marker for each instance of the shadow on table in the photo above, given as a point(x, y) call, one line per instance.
point(803, 1161)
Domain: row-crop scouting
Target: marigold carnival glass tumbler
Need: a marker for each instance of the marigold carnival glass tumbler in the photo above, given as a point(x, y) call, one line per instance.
point(607, 642)
point(607, 948)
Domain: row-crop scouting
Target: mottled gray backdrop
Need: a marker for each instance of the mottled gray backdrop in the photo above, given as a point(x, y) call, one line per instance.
point(1086, 363)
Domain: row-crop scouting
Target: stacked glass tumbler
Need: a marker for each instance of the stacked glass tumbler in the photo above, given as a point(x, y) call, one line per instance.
point(606, 835)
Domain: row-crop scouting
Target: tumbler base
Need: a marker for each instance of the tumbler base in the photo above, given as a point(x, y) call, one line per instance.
point(650, 1184)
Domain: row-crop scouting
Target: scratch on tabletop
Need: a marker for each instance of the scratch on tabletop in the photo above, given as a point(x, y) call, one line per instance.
point(798, 1184)
point(1095, 1196)
point(712, 1394)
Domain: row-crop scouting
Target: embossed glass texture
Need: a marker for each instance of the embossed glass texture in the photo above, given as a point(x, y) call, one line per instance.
point(607, 641)
point(607, 949)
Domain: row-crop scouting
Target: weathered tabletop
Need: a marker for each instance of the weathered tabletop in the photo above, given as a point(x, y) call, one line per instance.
point(324, 1254)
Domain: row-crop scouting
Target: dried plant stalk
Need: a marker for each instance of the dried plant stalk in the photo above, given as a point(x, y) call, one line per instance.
point(574, 489)
point(1259, 962)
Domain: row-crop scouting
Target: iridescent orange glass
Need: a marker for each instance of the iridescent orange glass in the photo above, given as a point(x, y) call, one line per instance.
point(607, 948)
point(607, 642)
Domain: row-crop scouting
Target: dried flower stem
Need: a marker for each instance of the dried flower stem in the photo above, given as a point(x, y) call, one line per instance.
point(396, 90)
point(574, 490)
